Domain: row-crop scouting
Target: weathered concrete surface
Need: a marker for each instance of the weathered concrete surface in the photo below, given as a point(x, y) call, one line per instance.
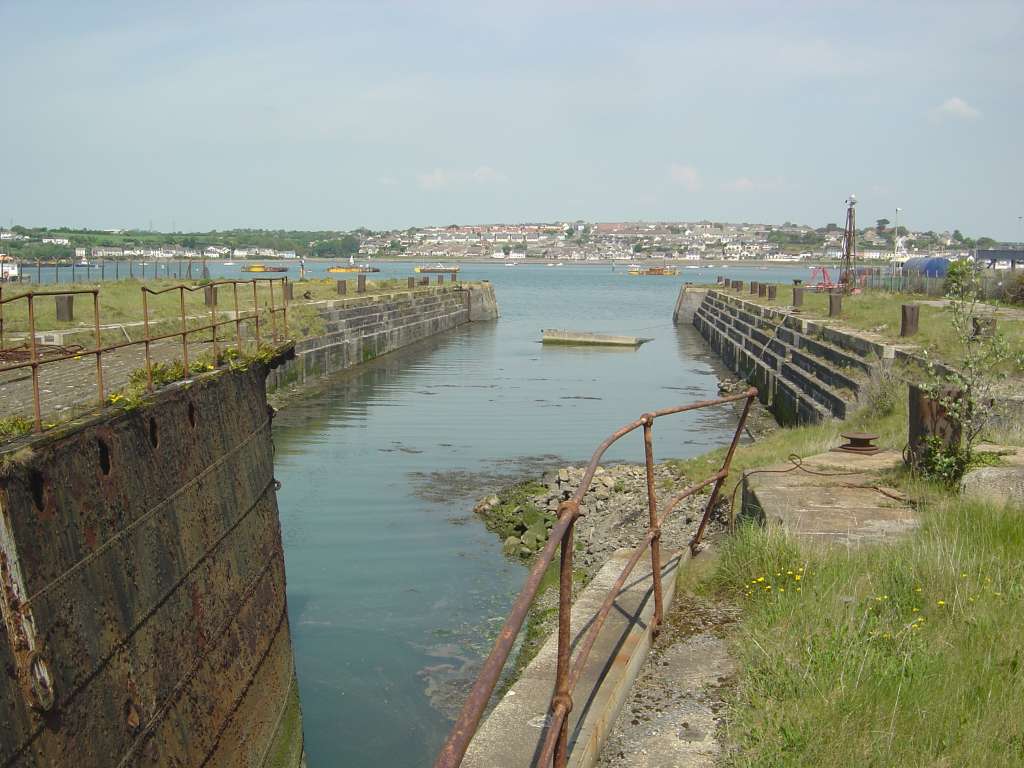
point(672, 717)
point(1002, 485)
point(512, 734)
point(555, 336)
point(143, 574)
point(689, 301)
point(844, 502)
point(361, 328)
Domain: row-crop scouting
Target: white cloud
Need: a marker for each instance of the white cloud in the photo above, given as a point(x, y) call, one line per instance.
point(685, 176)
point(957, 107)
point(747, 184)
point(440, 177)
point(742, 184)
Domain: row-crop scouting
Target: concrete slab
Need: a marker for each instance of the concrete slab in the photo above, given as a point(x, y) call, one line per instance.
point(839, 499)
point(512, 734)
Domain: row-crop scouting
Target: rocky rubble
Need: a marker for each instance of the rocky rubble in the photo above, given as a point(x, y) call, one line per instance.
point(614, 512)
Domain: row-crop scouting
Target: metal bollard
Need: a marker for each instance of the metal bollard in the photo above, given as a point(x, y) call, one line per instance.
point(835, 304)
point(909, 316)
point(65, 308)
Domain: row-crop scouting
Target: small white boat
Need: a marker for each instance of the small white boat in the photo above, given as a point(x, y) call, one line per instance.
point(229, 263)
point(510, 263)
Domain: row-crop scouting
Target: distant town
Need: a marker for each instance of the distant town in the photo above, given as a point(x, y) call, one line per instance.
point(573, 241)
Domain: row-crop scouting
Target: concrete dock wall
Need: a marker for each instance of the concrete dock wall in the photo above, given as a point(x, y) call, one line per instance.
point(143, 600)
point(358, 330)
point(805, 371)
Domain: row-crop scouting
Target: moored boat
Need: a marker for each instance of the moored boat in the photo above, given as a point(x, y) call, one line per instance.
point(439, 268)
point(359, 268)
point(653, 271)
point(263, 268)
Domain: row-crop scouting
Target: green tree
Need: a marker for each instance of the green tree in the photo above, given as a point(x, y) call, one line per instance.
point(881, 224)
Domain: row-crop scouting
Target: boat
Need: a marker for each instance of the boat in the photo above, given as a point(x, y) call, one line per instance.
point(263, 268)
point(510, 263)
point(229, 263)
point(441, 268)
point(654, 271)
point(357, 268)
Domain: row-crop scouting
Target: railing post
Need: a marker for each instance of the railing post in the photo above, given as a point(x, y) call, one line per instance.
point(273, 311)
point(145, 325)
point(213, 318)
point(256, 311)
point(652, 508)
point(184, 330)
point(563, 696)
point(238, 320)
point(286, 293)
point(35, 363)
point(99, 344)
point(723, 473)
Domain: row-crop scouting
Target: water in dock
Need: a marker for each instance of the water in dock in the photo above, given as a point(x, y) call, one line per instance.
point(395, 590)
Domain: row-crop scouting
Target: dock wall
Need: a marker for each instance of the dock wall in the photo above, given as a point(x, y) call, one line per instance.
point(360, 329)
point(143, 587)
point(805, 371)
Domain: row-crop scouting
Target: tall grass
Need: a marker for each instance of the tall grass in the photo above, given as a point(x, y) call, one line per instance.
point(903, 655)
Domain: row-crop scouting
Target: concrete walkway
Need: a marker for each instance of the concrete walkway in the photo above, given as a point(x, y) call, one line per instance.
point(69, 386)
point(831, 498)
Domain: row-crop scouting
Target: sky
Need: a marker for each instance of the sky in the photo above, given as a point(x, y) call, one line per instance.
point(335, 115)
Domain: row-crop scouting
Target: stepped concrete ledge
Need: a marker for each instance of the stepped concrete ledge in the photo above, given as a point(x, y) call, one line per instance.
point(511, 736)
point(844, 502)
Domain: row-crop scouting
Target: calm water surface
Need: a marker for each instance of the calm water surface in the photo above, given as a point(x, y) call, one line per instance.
point(394, 589)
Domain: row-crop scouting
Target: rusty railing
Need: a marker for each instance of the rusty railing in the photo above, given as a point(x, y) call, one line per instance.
point(554, 748)
point(31, 355)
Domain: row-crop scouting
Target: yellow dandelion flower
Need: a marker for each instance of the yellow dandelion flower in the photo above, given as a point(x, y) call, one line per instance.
point(941, 602)
point(760, 578)
point(798, 589)
point(782, 589)
point(797, 577)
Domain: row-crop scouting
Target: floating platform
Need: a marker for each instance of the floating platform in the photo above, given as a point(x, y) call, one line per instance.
point(552, 336)
point(439, 269)
point(653, 271)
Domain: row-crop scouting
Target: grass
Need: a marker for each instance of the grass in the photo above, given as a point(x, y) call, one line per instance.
point(903, 655)
point(879, 312)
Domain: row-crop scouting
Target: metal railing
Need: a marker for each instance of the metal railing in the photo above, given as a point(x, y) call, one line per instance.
point(31, 354)
point(554, 748)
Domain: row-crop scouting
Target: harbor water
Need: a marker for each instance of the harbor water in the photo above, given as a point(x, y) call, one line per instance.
point(395, 589)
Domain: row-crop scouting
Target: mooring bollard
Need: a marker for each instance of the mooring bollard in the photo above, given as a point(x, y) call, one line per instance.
point(425, 280)
point(753, 287)
point(440, 279)
point(835, 304)
point(210, 295)
point(361, 284)
point(773, 291)
point(65, 308)
point(762, 290)
point(411, 282)
point(342, 287)
point(909, 314)
point(738, 285)
point(798, 296)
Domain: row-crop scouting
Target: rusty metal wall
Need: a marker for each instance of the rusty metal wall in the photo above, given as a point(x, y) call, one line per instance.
point(144, 603)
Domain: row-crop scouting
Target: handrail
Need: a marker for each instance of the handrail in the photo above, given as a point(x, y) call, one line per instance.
point(554, 748)
point(35, 361)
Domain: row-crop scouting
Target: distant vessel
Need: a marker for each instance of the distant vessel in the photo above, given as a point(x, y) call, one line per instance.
point(263, 268)
point(510, 263)
point(362, 268)
point(654, 271)
point(437, 268)
point(229, 263)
